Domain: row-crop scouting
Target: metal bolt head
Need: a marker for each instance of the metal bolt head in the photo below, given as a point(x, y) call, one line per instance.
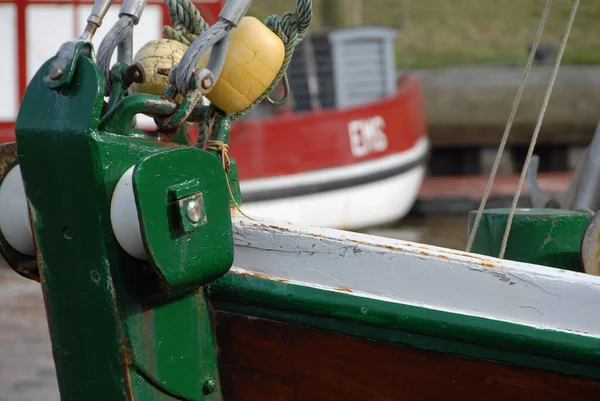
point(194, 211)
point(55, 73)
point(209, 386)
point(207, 83)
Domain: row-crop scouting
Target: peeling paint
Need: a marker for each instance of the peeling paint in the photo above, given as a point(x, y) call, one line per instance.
point(401, 272)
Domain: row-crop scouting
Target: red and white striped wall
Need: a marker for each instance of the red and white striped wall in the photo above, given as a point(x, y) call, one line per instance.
point(33, 30)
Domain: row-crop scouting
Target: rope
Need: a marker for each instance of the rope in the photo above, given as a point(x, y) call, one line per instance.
point(538, 126)
point(511, 118)
point(188, 24)
point(122, 29)
point(291, 28)
point(223, 149)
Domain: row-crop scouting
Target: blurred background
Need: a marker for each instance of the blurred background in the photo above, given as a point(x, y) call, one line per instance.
point(373, 85)
point(469, 57)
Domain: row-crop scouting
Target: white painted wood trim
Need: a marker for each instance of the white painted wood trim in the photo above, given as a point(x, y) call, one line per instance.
point(421, 275)
point(365, 205)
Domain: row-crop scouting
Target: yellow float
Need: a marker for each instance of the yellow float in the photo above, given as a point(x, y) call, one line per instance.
point(254, 58)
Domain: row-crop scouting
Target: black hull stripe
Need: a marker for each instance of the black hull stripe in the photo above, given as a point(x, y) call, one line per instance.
point(309, 189)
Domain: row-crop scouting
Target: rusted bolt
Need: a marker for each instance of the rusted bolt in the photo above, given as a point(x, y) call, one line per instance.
point(209, 386)
point(133, 73)
point(207, 82)
point(163, 71)
point(55, 73)
point(137, 74)
point(194, 211)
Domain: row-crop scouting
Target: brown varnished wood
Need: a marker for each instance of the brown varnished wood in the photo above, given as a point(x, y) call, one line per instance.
point(266, 360)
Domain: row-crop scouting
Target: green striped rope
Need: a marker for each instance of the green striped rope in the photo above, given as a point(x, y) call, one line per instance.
point(291, 27)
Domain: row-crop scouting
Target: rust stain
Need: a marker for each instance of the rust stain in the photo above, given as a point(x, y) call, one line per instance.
point(274, 227)
point(483, 260)
point(341, 289)
point(282, 280)
point(257, 275)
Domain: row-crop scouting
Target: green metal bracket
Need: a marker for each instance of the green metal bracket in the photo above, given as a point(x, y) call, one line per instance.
point(183, 205)
point(63, 65)
point(118, 118)
point(190, 207)
point(122, 329)
point(548, 237)
point(220, 132)
point(123, 76)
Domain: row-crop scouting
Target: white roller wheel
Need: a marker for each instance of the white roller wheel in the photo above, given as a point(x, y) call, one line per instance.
point(124, 217)
point(15, 223)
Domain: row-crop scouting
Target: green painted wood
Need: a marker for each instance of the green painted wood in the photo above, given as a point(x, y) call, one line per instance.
point(174, 345)
point(61, 183)
point(117, 331)
point(547, 237)
point(564, 352)
point(186, 255)
point(221, 131)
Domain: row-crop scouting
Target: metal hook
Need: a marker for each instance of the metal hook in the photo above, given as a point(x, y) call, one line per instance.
point(286, 94)
point(582, 192)
point(564, 200)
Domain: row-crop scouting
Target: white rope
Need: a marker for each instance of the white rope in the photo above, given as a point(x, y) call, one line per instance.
point(507, 128)
point(538, 126)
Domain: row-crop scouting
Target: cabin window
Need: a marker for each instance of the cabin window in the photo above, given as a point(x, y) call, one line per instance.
point(8, 68)
point(68, 23)
point(48, 26)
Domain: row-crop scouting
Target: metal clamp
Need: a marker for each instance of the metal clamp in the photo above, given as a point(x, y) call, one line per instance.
point(118, 118)
point(234, 11)
point(541, 199)
point(286, 94)
point(120, 36)
point(583, 191)
point(203, 82)
point(94, 21)
point(63, 66)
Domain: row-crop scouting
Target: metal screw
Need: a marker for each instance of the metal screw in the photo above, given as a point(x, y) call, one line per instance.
point(55, 73)
point(194, 211)
point(209, 386)
point(207, 82)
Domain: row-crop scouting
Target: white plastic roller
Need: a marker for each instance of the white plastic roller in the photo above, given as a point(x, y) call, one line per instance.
point(124, 217)
point(15, 223)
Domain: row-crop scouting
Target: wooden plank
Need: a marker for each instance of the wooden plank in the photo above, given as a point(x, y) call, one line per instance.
point(267, 360)
point(406, 273)
point(447, 135)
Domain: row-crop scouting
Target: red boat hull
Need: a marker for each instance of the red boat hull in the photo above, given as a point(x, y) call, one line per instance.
point(298, 143)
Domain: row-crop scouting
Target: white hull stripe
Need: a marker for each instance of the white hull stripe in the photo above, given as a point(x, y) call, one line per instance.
point(335, 178)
